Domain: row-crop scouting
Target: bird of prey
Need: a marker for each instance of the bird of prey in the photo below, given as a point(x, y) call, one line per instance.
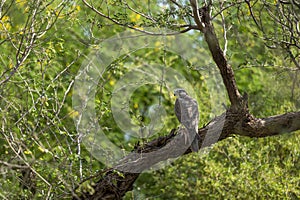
point(186, 111)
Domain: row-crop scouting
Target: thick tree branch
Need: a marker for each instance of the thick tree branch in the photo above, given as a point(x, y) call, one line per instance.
point(115, 182)
point(203, 20)
point(270, 126)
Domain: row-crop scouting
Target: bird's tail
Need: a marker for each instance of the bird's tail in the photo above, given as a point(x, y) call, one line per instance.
point(195, 143)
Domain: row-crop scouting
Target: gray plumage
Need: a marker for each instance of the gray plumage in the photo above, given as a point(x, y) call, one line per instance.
point(186, 111)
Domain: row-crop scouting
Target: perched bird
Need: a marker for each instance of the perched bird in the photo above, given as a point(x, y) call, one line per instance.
point(186, 111)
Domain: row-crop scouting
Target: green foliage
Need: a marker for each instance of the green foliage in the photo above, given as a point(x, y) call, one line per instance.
point(270, 90)
point(41, 55)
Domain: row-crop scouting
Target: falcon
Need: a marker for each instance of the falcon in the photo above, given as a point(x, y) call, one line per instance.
point(186, 111)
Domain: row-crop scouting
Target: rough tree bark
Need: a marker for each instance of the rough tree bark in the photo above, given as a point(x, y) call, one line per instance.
point(236, 120)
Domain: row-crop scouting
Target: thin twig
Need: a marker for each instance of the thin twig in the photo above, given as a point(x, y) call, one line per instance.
point(132, 27)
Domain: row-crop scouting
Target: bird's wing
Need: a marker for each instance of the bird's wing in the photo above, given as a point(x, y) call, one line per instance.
point(189, 113)
point(177, 110)
point(186, 110)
